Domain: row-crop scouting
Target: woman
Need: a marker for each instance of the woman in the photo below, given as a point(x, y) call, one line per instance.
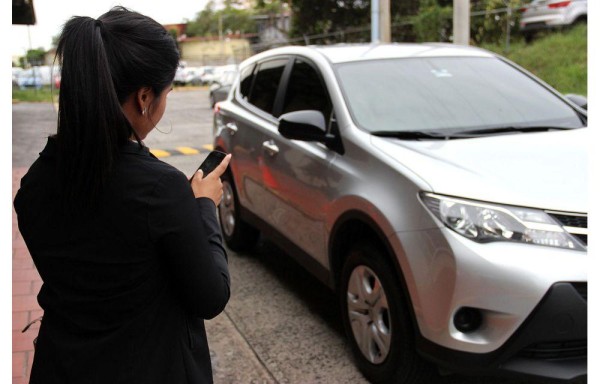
point(130, 254)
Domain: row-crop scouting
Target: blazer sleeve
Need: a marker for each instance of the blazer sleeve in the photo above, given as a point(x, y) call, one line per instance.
point(188, 237)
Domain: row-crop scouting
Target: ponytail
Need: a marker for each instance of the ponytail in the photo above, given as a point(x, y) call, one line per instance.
point(102, 63)
point(91, 124)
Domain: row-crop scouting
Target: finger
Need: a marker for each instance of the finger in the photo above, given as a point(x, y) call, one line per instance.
point(221, 168)
point(199, 174)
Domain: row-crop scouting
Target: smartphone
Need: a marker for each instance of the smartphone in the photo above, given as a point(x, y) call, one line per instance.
point(213, 159)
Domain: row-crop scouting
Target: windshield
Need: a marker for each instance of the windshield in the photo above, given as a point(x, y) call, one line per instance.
point(447, 94)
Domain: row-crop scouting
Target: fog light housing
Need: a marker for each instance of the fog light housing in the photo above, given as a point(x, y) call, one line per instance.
point(467, 319)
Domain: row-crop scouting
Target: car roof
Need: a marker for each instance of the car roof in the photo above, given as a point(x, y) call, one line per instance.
point(341, 53)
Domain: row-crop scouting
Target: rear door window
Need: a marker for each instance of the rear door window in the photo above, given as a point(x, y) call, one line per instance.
point(266, 84)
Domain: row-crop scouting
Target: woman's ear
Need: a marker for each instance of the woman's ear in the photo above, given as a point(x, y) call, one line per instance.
point(143, 98)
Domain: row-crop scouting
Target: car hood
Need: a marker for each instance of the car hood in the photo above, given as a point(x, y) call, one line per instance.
point(544, 170)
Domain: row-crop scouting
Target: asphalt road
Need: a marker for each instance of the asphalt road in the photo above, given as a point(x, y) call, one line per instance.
point(281, 324)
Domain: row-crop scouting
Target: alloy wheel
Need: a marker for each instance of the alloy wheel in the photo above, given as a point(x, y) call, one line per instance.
point(369, 314)
point(227, 209)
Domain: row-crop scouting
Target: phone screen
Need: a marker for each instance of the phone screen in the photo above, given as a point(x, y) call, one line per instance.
point(213, 159)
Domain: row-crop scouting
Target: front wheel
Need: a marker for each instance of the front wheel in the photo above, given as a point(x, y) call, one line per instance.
point(377, 321)
point(239, 235)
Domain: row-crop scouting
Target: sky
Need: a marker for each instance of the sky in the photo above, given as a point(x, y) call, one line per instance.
point(52, 14)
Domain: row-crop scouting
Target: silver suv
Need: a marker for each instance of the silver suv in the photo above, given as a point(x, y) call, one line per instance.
point(439, 190)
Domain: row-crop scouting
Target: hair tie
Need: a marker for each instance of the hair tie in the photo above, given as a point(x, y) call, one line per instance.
point(98, 23)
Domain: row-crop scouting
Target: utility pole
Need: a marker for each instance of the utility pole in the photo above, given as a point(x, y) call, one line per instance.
point(374, 21)
point(508, 19)
point(385, 32)
point(461, 20)
point(380, 21)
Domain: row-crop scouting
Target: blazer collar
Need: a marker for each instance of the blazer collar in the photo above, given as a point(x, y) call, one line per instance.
point(135, 148)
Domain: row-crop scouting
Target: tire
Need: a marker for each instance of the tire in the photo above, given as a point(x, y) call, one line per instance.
point(239, 235)
point(377, 321)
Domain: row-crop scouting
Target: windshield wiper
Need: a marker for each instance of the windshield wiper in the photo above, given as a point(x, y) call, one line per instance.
point(412, 135)
point(508, 129)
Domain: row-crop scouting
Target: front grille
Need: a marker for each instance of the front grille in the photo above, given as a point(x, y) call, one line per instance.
point(572, 223)
point(571, 220)
point(582, 238)
point(556, 350)
point(581, 288)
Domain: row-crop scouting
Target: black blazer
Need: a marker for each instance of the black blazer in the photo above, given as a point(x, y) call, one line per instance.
point(125, 290)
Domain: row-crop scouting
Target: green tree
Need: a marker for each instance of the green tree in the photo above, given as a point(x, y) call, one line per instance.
point(311, 17)
point(433, 22)
point(232, 20)
point(492, 28)
point(326, 16)
point(271, 6)
point(35, 57)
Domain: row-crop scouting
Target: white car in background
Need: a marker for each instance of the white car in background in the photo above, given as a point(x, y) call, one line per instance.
point(188, 75)
point(544, 14)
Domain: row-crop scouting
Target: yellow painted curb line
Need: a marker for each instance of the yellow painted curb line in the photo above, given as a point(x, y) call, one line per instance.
point(160, 153)
point(209, 147)
point(187, 150)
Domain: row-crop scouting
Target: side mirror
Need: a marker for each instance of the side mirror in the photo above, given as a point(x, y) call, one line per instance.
point(580, 101)
point(308, 125)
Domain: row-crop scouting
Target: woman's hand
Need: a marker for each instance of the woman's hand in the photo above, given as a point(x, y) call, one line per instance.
point(210, 186)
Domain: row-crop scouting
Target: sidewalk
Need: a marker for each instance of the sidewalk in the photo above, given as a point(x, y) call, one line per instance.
point(233, 360)
point(26, 283)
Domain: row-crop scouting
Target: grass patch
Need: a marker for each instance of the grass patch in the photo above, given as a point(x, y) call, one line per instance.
point(43, 94)
point(559, 58)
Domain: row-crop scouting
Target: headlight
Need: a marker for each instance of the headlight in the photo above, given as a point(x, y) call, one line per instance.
point(486, 222)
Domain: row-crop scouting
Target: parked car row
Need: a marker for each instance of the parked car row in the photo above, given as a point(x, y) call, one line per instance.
point(204, 75)
point(35, 77)
point(440, 190)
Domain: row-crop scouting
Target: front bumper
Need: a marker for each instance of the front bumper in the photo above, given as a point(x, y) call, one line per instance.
point(552, 342)
point(532, 300)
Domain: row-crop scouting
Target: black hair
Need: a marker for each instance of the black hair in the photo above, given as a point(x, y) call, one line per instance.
point(103, 62)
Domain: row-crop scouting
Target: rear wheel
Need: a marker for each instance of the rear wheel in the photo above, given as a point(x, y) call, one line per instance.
point(377, 321)
point(239, 235)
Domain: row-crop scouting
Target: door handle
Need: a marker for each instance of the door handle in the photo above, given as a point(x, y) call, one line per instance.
point(232, 127)
point(270, 147)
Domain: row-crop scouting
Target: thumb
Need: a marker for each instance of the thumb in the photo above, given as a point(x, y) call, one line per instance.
point(196, 175)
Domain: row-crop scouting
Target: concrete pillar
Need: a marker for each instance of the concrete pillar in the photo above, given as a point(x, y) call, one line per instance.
point(461, 22)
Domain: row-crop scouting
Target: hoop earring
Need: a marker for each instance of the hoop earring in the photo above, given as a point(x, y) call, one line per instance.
point(165, 133)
